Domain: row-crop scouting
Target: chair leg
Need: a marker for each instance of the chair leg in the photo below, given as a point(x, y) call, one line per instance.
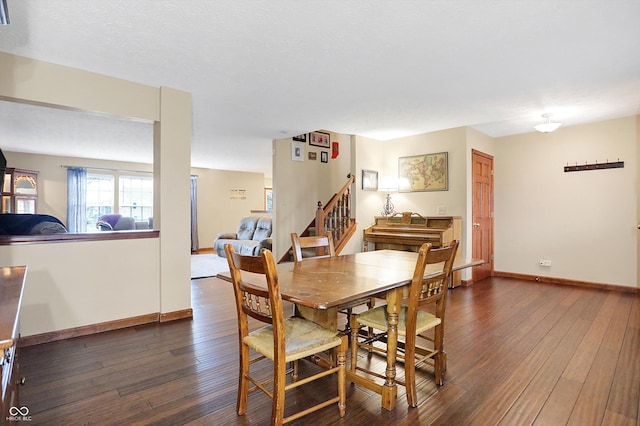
point(347, 328)
point(243, 382)
point(279, 383)
point(439, 373)
point(439, 360)
point(354, 342)
point(370, 305)
point(342, 376)
point(410, 372)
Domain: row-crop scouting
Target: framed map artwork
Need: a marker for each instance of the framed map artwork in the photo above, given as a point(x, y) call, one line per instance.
point(428, 172)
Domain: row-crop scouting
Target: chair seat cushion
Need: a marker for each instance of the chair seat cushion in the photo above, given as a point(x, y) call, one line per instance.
point(377, 318)
point(302, 337)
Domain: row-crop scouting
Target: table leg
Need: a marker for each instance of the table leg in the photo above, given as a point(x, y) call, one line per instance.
point(390, 388)
point(325, 317)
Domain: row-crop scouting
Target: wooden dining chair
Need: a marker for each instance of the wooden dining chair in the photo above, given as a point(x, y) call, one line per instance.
point(323, 245)
point(283, 340)
point(425, 312)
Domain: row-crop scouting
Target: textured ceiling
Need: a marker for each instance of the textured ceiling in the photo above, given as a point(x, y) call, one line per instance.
point(264, 70)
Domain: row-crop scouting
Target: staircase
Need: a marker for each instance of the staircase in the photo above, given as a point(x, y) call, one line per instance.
point(334, 217)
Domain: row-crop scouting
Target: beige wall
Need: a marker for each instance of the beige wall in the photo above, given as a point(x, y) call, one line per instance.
point(52, 176)
point(485, 144)
point(171, 198)
point(584, 222)
point(368, 203)
point(313, 180)
point(637, 185)
point(77, 284)
point(299, 185)
point(43, 83)
point(452, 141)
point(455, 201)
point(37, 82)
point(218, 210)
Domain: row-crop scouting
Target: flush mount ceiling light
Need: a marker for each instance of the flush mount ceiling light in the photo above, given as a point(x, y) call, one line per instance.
point(548, 126)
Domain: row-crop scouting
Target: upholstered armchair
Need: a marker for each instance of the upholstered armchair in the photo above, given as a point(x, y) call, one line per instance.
point(253, 234)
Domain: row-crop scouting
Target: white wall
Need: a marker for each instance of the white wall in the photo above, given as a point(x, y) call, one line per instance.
point(584, 222)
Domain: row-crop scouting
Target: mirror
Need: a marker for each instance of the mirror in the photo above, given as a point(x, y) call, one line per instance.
point(25, 185)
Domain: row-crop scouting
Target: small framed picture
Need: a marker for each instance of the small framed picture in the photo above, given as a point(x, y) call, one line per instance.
point(324, 156)
point(320, 139)
point(300, 138)
point(297, 151)
point(313, 155)
point(369, 180)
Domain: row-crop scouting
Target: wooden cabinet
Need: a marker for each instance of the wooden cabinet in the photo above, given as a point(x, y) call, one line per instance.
point(20, 191)
point(11, 288)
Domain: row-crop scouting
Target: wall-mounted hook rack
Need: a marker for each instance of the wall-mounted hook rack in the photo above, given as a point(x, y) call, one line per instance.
point(594, 166)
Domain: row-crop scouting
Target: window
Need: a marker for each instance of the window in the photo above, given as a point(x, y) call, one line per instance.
point(136, 197)
point(268, 199)
point(100, 197)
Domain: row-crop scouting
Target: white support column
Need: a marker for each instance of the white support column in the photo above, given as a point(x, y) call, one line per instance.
point(172, 208)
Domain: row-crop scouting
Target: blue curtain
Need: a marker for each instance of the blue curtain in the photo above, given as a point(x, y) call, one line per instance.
point(77, 199)
point(195, 244)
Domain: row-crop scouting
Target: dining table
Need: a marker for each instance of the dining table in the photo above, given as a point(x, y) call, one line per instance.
point(319, 287)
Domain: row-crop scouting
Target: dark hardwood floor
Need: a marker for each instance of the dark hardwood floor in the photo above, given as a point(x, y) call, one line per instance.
point(518, 353)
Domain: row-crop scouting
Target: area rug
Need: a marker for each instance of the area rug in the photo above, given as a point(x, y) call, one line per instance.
point(207, 265)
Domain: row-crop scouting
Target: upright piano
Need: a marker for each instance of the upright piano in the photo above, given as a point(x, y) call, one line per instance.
point(408, 231)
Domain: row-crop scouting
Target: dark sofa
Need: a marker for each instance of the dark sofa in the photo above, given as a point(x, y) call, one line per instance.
point(30, 224)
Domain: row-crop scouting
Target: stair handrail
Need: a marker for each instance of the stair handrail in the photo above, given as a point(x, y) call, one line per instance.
point(335, 216)
point(340, 203)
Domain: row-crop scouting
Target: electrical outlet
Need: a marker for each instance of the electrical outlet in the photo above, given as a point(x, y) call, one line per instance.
point(442, 210)
point(545, 262)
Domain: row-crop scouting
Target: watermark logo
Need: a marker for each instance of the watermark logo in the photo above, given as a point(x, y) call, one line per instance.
point(19, 414)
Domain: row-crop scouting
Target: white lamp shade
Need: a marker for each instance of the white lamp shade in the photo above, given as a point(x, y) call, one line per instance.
point(388, 184)
point(404, 184)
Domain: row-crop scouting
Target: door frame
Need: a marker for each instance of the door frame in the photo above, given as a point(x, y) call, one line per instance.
point(474, 271)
